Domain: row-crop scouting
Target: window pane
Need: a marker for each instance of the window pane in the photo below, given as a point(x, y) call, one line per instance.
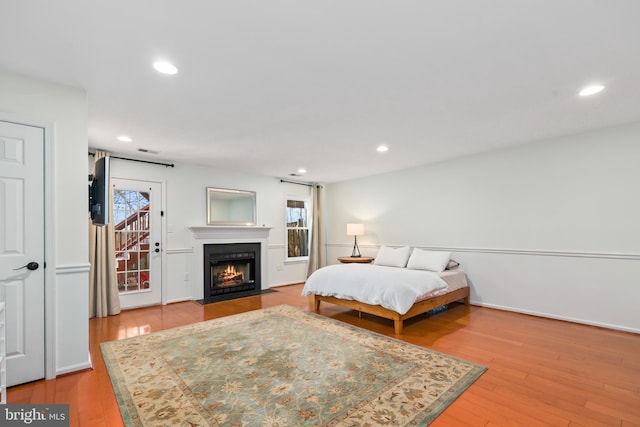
point(296, 215)
point(132, 262)
point(122, 282)
point(298, 243)
point(144, 279)
point(144, 260)
point(132, 282)
point(299, 204)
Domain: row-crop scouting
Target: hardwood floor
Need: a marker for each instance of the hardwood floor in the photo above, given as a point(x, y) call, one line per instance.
point(541, 372)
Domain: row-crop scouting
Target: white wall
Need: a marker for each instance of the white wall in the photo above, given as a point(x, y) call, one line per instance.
point(548, 228)
point(185, 206)
point(64, 108)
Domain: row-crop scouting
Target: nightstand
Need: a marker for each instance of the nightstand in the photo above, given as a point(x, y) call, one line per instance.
point(359, 260)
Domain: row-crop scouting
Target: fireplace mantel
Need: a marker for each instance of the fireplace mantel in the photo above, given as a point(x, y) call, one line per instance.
point(229, 232)
point(213, 234)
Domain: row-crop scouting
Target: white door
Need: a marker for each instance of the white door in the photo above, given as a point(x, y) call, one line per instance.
point(22, 249)
point(138, 228)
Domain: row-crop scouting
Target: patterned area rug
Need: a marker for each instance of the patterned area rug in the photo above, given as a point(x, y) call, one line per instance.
point(280, 366)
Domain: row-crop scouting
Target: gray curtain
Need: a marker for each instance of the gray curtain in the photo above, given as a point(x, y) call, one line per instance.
point(104, 299)
point(317, 251)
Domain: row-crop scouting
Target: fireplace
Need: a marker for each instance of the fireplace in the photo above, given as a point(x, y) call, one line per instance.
point(226, 237)
point(231, 270)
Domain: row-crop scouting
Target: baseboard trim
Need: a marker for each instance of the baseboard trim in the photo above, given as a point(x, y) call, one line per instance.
point(183, 299)
point(286, 284)
point(74, 368)
point(551, 316)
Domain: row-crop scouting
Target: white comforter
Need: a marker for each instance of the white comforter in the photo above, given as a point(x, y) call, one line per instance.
point(391, 287)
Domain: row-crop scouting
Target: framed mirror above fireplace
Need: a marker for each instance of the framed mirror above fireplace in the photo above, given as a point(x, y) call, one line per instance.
point(230, 207)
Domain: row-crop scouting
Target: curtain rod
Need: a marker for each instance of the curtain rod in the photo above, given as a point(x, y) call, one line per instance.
point(169, 165)
point(299, 183)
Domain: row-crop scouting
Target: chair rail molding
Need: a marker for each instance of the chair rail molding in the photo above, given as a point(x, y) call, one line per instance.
point(508, 251)
point(73, 268)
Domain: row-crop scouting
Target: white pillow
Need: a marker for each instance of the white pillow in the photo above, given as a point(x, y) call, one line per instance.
point(429, 260)
point(391, 257)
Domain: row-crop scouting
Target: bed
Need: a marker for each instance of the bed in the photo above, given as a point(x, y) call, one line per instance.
point(392, 292)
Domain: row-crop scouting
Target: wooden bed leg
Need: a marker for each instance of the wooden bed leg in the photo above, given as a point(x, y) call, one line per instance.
point(467, 301)
point(316, 304)
point(397, 325)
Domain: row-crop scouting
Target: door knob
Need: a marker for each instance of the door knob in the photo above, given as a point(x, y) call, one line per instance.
point(30, 266)
point(156, 250)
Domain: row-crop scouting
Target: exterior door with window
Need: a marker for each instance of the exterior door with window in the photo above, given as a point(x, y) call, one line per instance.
point(138, 230)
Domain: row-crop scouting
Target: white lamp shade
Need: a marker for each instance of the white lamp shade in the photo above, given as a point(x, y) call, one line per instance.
point(355, 229)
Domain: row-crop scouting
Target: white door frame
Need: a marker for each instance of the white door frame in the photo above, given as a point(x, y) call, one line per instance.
point(50, 339)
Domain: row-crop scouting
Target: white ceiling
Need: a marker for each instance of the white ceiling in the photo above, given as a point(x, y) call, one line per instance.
point(269, 86)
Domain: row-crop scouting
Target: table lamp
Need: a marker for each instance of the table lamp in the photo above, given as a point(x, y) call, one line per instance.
point(355, 230)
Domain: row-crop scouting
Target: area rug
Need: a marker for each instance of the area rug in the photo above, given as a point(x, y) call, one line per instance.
point(280, 366)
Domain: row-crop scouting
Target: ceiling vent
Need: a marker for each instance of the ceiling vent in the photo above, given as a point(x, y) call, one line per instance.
point(144, 150)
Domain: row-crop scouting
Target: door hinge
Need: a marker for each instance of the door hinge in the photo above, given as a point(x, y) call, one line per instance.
point(161, 213)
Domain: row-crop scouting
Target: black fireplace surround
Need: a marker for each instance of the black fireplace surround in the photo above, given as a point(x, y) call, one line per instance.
point(231, 270)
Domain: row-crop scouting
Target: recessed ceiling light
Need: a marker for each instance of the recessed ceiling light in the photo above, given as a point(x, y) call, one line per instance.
point(591, 90)
point(124, 138)
point(382, 148)
point(302, 170)
point(165, 67)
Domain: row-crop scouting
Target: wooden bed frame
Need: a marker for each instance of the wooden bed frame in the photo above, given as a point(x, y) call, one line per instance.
point(398, 319)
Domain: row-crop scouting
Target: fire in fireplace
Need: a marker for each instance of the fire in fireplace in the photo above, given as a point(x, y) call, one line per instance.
point(231, 268)
point(228, 276)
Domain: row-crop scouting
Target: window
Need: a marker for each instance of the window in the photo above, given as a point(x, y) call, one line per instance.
point(131, 219)
point(297, 228)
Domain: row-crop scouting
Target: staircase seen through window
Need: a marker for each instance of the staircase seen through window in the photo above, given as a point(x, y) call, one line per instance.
point(131, 219)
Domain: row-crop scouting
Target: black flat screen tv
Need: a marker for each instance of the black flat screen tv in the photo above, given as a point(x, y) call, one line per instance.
point(99, 192)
